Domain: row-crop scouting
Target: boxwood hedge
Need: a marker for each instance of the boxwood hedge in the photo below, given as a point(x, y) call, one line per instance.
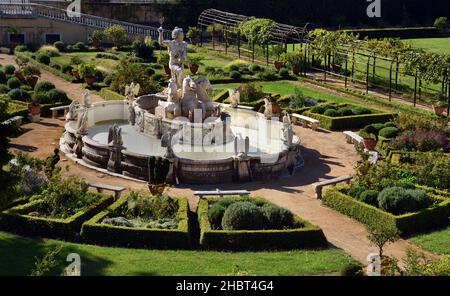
point(310, 236)
point(95, 232)
point(16, 220)
point(349, 122)
point(407, 224)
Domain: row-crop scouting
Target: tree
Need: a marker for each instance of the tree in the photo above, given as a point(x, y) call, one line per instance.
point(257, 30)
point(382, 233)
point(97, 37)
point(116, 34)
point(441, 23)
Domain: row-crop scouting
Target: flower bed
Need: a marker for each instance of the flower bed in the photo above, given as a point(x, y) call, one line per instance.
point(96, 231)
point(304, 235)
point(410, 223)
point(346, 116)
point(19, 220)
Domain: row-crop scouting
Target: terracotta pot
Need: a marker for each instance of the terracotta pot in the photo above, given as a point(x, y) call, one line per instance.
point(89, 80)
point(276, 109)
point(370, 144)
point(337, 68)
point(167, 70)
point(296, 70)
point(76, 74)
point(194, 68)
point(157, 189)
point(32, 81)
point(439, 110)
point(317, 63)
point(194, 40)
point(34, 109)
point(278, 65)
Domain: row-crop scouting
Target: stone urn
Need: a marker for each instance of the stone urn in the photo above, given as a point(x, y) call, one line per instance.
point(89, 80)
point(34, 112)
point(276, 109)
point(157, 189)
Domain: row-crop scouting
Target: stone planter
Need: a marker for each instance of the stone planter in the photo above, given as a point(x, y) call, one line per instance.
point(89, 80)
point(370, 144)
point(194, 68)
point(157, 189)
point(34, 112)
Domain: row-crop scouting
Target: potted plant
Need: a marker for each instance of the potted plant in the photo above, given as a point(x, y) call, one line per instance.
point(295, 61)
point(278, 50)
point(440, 105)
point(164, 60)
point(31, 75)
point(370, 137)
point(158, 171)
point(87, 72)
point(34, 110)
point(194, 63)
point(76, 61)
point(194, 35)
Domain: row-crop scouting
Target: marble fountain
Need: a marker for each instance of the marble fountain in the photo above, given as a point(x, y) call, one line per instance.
point(205, 142)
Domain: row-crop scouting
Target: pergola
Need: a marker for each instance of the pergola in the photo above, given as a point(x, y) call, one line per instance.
point(280, 34)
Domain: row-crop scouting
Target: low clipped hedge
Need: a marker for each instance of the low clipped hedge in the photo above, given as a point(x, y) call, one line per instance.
point(310, 236)
point(103, 234)
point(400, 156)
point(349, 122)
point(407, 224)
point(110, 95)
point(16, 220)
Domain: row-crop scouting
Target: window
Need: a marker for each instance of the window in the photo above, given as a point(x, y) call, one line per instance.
point(51, 38)
point(16, 38)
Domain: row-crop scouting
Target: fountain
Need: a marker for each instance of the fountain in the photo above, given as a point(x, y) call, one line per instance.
point(205, 142)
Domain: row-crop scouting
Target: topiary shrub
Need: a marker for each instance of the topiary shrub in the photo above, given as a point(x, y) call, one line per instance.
point(42, 97)
point(353, 269)
point(44, 86)
point(67, 69)
point(378, 126)
point(13, 83)
point(61, 46)
point(2, 76)
point(284, 73)
point(57, 95)
point(389, 124)
point(331, 113)
point(389, 132)
point(150, 71)
point(356, 190)
point(255, 68)
point(19, 95)
point(397, 200)
point(243, 216)
point(319, 109)
point(80, 46)
point(369, 197)
point(235, 75)
point(215, 214)
point(345, 111)
point(43, 58)
point(277, 217)
point(9, 69)
point(361, 111)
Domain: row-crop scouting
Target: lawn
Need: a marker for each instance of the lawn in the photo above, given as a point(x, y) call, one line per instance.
point(439, 45)
point(106, 65)
point(437, 241)
point(18, 255)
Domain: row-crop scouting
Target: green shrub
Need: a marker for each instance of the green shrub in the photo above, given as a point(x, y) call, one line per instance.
point(267, 75)
point(44, 86)
point(13, 83)
point(388, 132)
point(61, 46)
point(389, 124)
point(369, 197)
point(378, 126)
point(319, 109)
point(345, 111)
point(4, 89)
point(235, 75)
point(397, 200)
point(361, 111)
point(57, 95)
point(42, 97)
point(67, 69)
point(356, 190)
point(255, 68)
point(277, 217)
point(19, 95)
point(80, 46)
point(215, 215)
point(2, 76)
point(150, 71)
point(284, 73)
point(21, 48)
point(353, 269)
point(142, 50)
point(43, 58)
point(243, 216)
point(9, 69)
point(331, 113)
